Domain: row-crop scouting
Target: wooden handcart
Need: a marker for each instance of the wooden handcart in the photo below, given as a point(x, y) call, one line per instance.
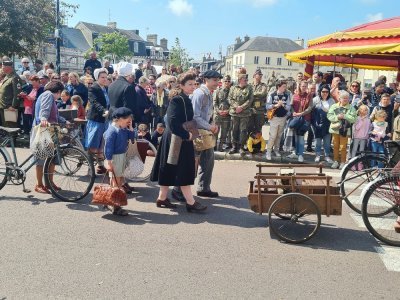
point(294, 200)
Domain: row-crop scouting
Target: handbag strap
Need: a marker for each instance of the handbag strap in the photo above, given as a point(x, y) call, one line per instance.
point(112, 172)
point(184, 105)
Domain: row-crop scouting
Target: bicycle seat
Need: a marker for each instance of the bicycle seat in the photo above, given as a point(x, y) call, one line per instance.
point(10, 131)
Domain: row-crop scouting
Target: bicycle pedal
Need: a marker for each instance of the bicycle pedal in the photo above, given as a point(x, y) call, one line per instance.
point(26, 191)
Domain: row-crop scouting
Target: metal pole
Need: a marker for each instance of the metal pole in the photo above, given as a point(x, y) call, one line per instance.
point(334, 68)
point(351, 71)
point(58, 38)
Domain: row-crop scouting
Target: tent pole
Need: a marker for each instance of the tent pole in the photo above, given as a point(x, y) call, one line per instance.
point(351, 72)
point(334, 68)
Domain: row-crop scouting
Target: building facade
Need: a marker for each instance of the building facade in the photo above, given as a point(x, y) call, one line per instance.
point(264, 53)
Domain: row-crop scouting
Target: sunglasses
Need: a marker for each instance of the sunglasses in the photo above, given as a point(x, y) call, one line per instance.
point(227, 81)
point(324, 91)
point(90, 83)
point(354, 85)
point(25, 62)
point(56, 78)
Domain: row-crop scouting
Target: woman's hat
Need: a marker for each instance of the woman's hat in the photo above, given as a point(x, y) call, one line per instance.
point(121, 112)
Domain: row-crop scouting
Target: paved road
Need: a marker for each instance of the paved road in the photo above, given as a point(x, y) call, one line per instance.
point(51, 249)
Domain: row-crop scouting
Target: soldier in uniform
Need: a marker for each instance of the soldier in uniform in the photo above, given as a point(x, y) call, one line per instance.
point(10, 88)
point(240, 101)
point(221, 111)
point(258, 108)
point(271, 82)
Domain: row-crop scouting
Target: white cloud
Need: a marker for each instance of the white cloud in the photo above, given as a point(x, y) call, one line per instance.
point(259, 3)
point(374, 17)
point(180, 7)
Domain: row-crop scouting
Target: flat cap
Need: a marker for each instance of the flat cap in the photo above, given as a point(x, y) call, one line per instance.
point(121, 112)
point(211, 74)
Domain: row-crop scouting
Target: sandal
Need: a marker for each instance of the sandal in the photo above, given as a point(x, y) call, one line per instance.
point(119, 211)
point(397, 226)
point(57, 188)
point(41, 189)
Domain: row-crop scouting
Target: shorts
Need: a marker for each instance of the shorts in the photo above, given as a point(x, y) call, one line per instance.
point(119, 164)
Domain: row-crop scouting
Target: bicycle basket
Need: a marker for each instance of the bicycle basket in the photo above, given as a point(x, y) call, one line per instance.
point(393, 149)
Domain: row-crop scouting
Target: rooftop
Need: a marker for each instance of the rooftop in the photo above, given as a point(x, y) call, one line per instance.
point(269, 44)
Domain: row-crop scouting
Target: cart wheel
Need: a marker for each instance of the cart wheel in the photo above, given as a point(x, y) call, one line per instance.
point(304, 221)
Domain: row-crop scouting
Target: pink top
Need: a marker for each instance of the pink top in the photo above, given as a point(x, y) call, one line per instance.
point(361, 128)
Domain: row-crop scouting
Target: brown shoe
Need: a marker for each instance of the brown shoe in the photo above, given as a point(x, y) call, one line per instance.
point(101, 170)
point(165, 203)
point(128, 187)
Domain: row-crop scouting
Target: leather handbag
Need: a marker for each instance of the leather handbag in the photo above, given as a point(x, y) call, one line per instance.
point(105, 194)
point(205, 141)
point(190, 126)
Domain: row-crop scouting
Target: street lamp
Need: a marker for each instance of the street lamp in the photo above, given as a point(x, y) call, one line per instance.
point(57, 36)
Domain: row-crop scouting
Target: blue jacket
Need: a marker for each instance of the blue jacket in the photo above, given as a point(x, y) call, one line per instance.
point(319, 120)
point(116, 140)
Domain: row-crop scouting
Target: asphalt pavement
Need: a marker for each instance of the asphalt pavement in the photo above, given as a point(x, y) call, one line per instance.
point(56, 250)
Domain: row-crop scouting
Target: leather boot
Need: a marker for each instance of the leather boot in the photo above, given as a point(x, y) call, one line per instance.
point(234, 149)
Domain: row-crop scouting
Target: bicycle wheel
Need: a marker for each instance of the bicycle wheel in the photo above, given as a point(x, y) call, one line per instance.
point(355, 175)
point(381, 208)
point(147, 153)
point(73, 174)
point(304, 222)
point(3, 168)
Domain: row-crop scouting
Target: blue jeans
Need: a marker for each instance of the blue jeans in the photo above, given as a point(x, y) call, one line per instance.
point(326, 141)
point(299, 144)
point(377, 148)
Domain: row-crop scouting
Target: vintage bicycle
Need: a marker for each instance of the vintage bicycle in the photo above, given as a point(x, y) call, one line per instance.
point(73, 173)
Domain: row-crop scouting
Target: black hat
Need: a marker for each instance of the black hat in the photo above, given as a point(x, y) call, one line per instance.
point(211, 74)
point(121, 112)
point(7, 63)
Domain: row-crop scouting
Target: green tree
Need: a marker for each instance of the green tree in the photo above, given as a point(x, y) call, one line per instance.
point(25, 24)
point(179, 56)
point(114, 46)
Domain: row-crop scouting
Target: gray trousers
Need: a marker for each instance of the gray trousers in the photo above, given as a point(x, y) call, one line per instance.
point(206, 167)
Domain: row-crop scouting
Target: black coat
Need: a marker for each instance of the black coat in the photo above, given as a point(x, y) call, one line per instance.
point(122, 94)
point(98, 104)
point(183, 173)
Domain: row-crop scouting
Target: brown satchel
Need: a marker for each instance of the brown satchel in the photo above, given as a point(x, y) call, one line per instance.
point(105, 194)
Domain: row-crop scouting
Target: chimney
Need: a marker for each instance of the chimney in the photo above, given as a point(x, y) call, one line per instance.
point(164, 43)
point(299, 42)
point(152, 38)
point(246, 38)
point(112, 25)
point(136, 31)
point(238, 40)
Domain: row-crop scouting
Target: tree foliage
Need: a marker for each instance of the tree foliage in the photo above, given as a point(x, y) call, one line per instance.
point(179, 56)
point(114, 46)
point(25, 24)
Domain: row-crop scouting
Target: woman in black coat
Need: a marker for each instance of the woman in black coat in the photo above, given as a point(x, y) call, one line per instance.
point(182, 174)
point(97, 117)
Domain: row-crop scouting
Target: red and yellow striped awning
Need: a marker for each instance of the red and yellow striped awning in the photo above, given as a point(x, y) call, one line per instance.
point(374, 45)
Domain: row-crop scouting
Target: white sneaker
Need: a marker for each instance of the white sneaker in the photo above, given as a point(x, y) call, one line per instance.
point(335, 165)
point(301, 159)
point(293, 156)
point(328, 159)
point(268, 155)
point(317, 159)
point(277, 154)
point(341, 166)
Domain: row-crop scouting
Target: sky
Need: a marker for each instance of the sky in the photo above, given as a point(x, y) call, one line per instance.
point(206, 26)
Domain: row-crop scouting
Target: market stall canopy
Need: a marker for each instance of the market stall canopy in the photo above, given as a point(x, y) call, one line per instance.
point(374, 45)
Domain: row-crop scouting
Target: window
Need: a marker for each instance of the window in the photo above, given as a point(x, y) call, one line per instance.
point(240, 60)
point(279, 61)
point(267, 60)
point(135, 47)
point(289, 63)
point(256, 60)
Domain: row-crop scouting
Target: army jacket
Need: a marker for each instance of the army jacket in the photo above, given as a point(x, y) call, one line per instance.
point(242, 97)
point(220, 102)
point(260, 97)
point(10, 88)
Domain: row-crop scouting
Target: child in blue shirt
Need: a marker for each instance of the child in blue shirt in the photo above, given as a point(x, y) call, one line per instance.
point(116, 140)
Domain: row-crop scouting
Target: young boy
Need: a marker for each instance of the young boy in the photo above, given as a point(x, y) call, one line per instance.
point(143, 132)
point(65, 101)
point(157, 134)
point(116, 142)
point(256, 143)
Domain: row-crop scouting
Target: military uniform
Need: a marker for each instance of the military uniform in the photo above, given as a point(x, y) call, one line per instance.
point(242, 97)
point(10, 88)
point(221, 103)
point(258, 108)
